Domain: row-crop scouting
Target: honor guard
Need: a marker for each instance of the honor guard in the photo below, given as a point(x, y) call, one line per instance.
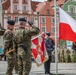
point(22, 39)
point(8, 46)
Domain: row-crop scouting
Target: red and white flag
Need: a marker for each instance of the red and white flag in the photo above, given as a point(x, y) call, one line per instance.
point(39, 50)
point(67, 26)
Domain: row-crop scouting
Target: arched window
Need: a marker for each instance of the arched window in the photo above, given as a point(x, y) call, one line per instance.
point(72, 9)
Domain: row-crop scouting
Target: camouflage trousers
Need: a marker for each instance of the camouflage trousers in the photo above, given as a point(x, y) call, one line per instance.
point(10, 62)
point(16, 66)
point(24, 65)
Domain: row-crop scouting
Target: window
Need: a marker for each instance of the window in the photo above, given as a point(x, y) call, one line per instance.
point(72, 9)
point(16, 19)
point(32, 19)
point(16, 29)
point(53, 29)
point(24, 0)
point(43, 29)
point(48, 11)
point(24, 7)
point(15, 0)
point(15, 7)
point(53, 20)
point(9, 18)
point(43, 20)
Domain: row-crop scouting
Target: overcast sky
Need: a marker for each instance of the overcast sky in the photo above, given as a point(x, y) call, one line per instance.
point(39, 0)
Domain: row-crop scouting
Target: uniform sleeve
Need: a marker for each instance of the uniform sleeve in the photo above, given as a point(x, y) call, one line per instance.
point(49, 45)
point(33, 31)
point(15, 46)
point(7, 40)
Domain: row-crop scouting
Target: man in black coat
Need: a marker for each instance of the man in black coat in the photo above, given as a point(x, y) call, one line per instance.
point(49, 47)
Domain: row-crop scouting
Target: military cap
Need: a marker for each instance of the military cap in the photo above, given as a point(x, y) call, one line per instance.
point(11, 22)
point(47, 33)
point(22, 19)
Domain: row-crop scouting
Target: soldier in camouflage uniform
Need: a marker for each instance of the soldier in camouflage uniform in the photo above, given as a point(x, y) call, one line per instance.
point(72, 55)
point(22, 38)
point(58, 49)
point(66, 54)
point(61, 53)
point(8, 45)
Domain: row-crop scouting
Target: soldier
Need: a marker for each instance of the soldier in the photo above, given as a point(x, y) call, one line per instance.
point(66, 54)
point(74, 47)
point(8, 46)
point(58, 49)
point(61, 53)
point(22, 38)
point(72, 55)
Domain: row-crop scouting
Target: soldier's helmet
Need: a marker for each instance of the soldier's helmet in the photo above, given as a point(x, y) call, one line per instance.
point(2, 30)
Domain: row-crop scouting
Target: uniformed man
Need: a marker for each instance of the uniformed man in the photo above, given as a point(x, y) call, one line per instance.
point(53, 56)
point(8, 46)
point(66, 54)
point(72, 55)
point(49, 47)
point(23, 40)
point(61, 53)
point(74, 47)
point(58, 49)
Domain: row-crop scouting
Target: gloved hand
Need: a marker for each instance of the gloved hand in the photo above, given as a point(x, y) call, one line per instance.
point(30, 23)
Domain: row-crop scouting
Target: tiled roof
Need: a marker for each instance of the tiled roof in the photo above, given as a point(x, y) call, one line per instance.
point(59, 2)
point(34, 5)
point(6, 4)
point(39, 6)
point(42, 8)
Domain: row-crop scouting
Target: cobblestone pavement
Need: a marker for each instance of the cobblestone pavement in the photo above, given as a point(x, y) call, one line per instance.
point(63, 68)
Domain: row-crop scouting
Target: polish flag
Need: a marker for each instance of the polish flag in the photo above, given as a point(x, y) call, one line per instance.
point(39, 50)
point(67, 26)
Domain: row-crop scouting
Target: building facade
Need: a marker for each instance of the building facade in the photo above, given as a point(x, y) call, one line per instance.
point(41, 13)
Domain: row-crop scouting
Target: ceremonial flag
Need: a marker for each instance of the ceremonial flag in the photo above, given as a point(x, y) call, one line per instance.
point(67, 26)
point(39, 50)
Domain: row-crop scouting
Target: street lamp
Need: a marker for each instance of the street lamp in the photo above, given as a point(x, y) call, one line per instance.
point(38, 18)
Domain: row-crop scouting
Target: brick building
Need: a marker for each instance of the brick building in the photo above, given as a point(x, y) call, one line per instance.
point(41, 13)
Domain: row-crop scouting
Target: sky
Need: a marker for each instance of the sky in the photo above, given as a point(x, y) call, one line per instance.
point(39, 0)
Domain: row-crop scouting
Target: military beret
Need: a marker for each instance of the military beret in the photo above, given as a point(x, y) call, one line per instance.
point(22, 19)
point(47, 33)
point(11, 22)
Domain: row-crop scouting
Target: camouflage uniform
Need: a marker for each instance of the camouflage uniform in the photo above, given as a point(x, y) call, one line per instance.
point(72, 55)
point(23, 37)
point(66, 54)
point(58, 49)
point(53, 56)
point(61, 53)
point(8, 45)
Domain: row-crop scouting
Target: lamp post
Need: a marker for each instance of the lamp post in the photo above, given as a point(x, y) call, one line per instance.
point(38, 18)
point(1, 28)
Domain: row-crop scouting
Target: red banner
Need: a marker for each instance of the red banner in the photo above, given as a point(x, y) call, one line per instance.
point(39, 50)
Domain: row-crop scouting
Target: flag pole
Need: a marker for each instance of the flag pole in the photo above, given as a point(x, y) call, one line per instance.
point(56, 57)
